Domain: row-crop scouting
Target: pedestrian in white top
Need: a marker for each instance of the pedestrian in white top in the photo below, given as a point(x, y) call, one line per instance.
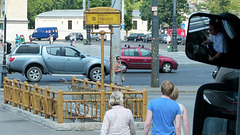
point(184, 118)
point(118, 120)
point(168, 39)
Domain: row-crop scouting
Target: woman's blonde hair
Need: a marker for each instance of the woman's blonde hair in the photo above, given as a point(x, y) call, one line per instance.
point(167, 88)
point(175, 94)
point(116, 98)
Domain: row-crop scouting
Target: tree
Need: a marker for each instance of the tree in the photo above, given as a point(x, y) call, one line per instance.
point(165, 9)
point(128, 16)
point(36, 7)
point(223, 6)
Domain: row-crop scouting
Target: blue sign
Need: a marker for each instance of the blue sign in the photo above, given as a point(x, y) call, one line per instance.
point(123, 26)
point(182, 25)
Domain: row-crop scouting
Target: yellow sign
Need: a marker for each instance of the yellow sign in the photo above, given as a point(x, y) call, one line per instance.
point(102, 16)
point(102, 19)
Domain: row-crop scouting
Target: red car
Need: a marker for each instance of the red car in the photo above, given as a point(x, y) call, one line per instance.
point(140, 58)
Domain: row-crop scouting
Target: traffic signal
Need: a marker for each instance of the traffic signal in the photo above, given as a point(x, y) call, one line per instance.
point(9, 48)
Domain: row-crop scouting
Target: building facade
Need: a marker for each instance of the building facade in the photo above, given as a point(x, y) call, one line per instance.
point(68, 21)
point(16, 14)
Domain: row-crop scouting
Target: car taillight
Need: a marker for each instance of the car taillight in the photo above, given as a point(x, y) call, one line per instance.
point(138, 37)
point(149, 38)
point(12, 59)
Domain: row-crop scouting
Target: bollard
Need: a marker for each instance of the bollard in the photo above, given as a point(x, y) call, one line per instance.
point(144, 114)
point(102, 112)
point(6, 90)
point(60, 106)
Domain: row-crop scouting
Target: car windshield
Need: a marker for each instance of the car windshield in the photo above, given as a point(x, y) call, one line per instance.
point(132, 35)
point(146, 53)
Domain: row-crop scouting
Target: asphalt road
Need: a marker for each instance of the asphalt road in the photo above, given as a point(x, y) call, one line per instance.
point(187, 74)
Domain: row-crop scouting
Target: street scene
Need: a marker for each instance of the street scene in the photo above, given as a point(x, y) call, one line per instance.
point(119, 67)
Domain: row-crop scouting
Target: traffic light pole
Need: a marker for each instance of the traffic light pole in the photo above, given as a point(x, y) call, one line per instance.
point(4, 66)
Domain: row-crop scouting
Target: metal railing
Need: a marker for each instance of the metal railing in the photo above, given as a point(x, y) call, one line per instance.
point(85, 101)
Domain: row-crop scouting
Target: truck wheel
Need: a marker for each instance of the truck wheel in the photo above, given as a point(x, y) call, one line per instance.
point(34, 74)
point(39, 38)
point(95, 74)
point(166, 67)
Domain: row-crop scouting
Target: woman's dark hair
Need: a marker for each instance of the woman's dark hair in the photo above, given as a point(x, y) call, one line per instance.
point(117, 57)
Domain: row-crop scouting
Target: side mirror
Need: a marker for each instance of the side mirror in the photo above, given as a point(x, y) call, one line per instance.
point(223, 30)
point(82, 56)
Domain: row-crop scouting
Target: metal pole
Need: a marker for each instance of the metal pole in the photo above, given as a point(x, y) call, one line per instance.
point(122, 31)
point(102, 59)
point(115, 50)
point(155, 45)
point(174, 28)
point(88, 41)
point(4, 66)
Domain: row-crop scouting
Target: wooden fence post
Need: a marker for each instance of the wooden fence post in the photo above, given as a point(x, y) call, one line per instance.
point(46, 105)
point(35, 99)
point(25, 97)
point(60, 106)
point(6, 90)
point(144, 114)
point(111, 86)
point(14, 97)
point(102, 113)
point(127, 88)
point(98, 85)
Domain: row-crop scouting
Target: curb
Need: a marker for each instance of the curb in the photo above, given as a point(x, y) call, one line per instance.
point(86, 126)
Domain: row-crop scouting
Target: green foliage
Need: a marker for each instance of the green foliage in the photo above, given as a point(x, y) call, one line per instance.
point(165, 9)
point(128, 15)
point(36, 7)
point(223, 6)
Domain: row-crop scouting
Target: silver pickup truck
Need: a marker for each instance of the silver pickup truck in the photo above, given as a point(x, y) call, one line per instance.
point(34, 60)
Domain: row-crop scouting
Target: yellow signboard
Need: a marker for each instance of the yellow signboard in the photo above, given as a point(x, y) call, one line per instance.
point(102, 19)
point(102, 16)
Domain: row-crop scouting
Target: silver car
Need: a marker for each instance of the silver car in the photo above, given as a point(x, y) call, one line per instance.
point(97, 37)
point(34, 60)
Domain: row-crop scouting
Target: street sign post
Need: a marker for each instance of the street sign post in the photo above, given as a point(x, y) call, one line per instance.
point(102, 16)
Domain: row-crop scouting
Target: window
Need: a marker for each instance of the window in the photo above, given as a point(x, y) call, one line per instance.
point(71, 52)
point(54, 51)
point(216, 126)
point(96, 26)
point(69, 24)
point(146, 53)
point(1, 26)
point(134, 25)
point(131, 52)
point(33, 49)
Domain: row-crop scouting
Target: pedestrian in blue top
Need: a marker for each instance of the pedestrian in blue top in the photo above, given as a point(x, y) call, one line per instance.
point(162, 112)
point(17, 39)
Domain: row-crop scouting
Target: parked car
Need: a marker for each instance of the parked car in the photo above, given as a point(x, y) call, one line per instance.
point(147, 38)
point(136, 37)
point(162, 38)
point(140, 58)
point(34, 60)
point(97, 37)
point(79, 36)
